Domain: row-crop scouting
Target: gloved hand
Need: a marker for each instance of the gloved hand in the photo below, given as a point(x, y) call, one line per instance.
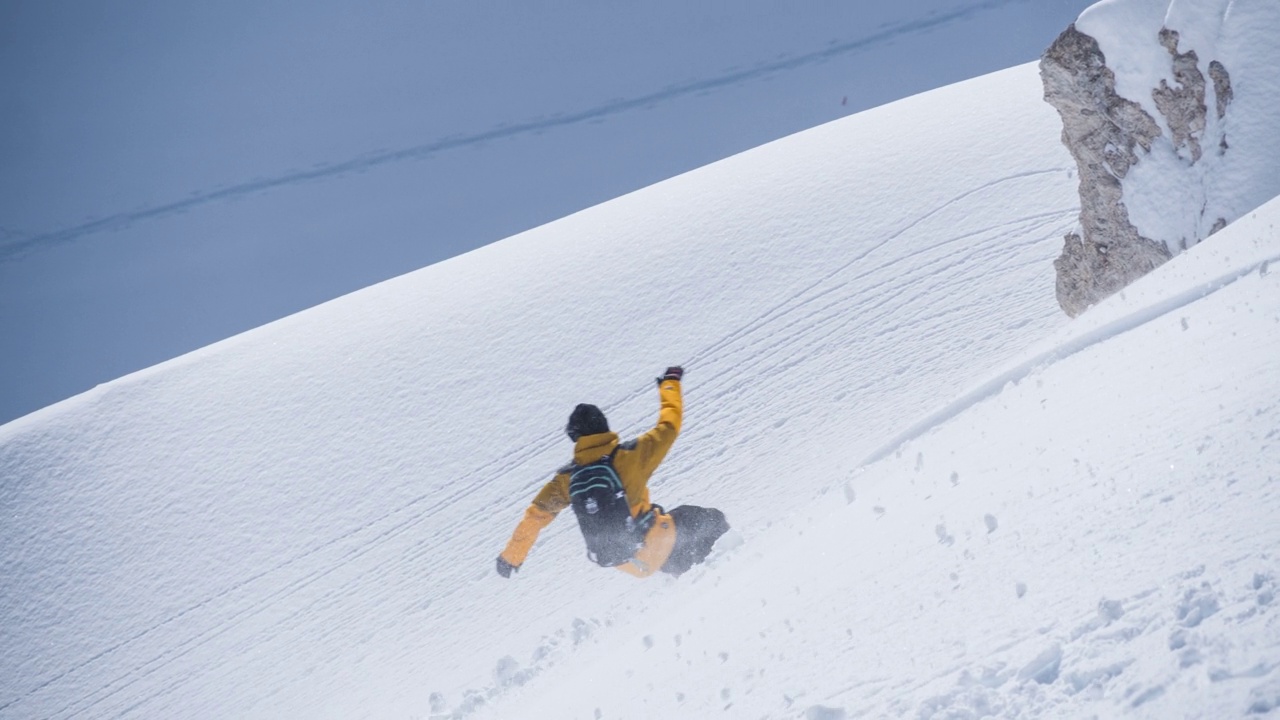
point(505, 568)
point(675, 372)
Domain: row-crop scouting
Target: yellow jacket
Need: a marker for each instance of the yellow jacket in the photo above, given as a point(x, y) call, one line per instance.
point(634, 462)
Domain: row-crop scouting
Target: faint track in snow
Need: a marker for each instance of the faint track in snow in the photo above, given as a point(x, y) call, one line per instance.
point(363, 547)
point(12, 249)
point(816, 314)
point(816, 325)
point(804, 309)
point(1025, 223)
point(1017, 373)
point(818, 303)
point(225, 624)
point(835, 307)
point(801, 296)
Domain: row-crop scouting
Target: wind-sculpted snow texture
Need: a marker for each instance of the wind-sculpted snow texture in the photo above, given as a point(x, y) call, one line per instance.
point(301, 521)
point(1096, 538)
point(1147, 92)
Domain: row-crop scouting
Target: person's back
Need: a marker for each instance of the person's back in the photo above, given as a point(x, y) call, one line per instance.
point(668, 542)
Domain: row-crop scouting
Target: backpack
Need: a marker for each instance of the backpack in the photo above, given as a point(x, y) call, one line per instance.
point(604, 515)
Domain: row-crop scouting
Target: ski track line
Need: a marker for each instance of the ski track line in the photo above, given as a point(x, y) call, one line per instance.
point(540, 445)
point(741, 381)
point(141, 672)
point(258, 637)
point(798, 301)
point(1000, 232)
point(223, 625)
point(1019, 372)
point(953, 309)
point(837, 308)
point(226, 625)
point(816, 319)
point(350, 556)
point(790, 350)
point(210, 600)
point(346, 587)
point(525, 453)
point(353, 585)
point(958, 309)
point(359, 551)
point(799, 296)
point(831, 307)
point(782, 309)
point(11, 250)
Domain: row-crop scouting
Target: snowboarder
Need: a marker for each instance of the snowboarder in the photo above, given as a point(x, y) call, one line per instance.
point(607, 484)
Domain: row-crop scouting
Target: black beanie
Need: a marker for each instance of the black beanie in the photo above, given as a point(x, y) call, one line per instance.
point(586, 420)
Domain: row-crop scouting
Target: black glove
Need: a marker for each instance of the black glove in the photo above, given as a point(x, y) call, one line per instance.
point(675, 372)
point(505, 568)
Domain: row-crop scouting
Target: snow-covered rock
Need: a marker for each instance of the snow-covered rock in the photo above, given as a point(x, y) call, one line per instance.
point(1165, 108)
point(1104, 133)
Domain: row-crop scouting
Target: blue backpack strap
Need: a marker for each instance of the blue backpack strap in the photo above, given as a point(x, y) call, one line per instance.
point(573, 468)
point(604, 513)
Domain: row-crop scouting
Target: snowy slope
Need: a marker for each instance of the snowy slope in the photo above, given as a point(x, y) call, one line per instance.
point(1095, 538)
point(301, 521)
point(308, 512)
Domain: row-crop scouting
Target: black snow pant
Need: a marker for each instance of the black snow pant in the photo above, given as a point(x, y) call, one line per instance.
point(697, 529)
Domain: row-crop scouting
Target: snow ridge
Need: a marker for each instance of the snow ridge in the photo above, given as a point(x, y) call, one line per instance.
point(1084, 340)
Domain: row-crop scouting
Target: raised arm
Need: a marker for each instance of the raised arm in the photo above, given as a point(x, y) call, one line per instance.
point(553, 498)
point(653, 446)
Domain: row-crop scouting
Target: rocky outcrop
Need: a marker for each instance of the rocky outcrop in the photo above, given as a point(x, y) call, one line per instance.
point(1183, 106)
point(1104, 133)
point(1221, 90)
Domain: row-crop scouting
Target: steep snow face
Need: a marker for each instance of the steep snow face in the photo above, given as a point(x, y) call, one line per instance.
point(1093, 534)
point(301, 521)
point(1168, 109)
point(948, 501)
